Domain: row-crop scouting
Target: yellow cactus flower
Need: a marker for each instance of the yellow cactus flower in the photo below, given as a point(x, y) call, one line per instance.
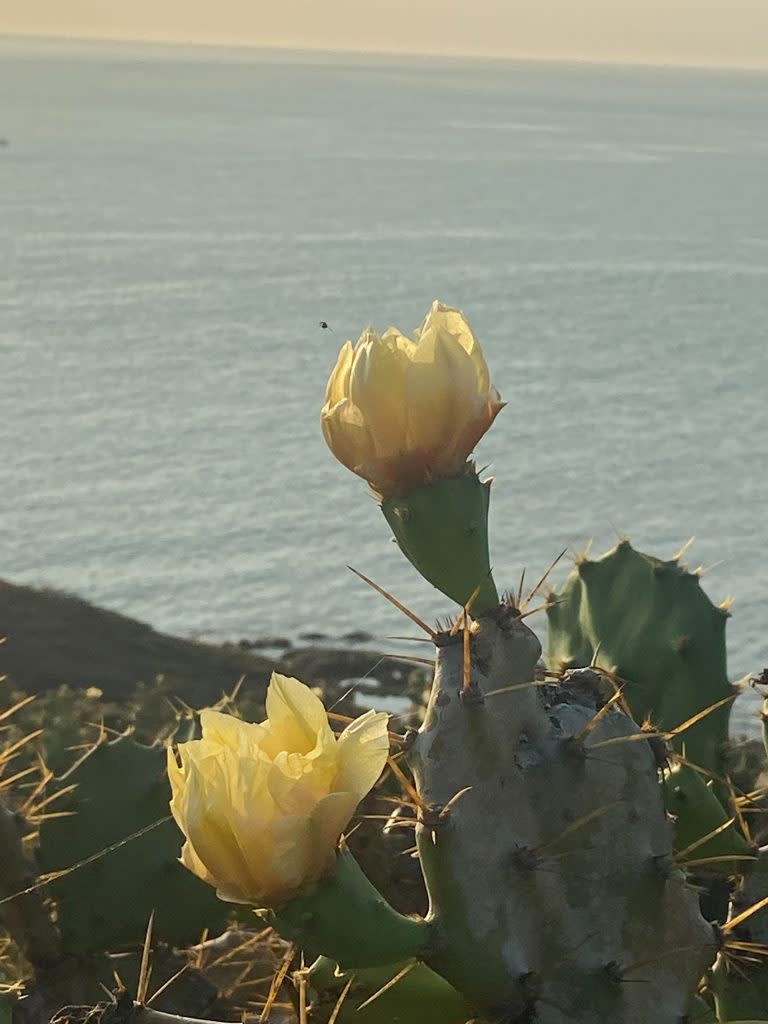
point(400, 411)
point(262, 806)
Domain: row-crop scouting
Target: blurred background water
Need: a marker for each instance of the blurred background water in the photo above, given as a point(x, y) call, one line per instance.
point(174, 223)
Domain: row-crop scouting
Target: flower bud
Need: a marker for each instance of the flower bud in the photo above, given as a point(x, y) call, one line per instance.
point(400, 411)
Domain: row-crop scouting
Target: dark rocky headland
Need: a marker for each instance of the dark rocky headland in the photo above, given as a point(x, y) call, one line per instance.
point(54, 639)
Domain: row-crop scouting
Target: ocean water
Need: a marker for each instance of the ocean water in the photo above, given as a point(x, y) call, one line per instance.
point(174, 223)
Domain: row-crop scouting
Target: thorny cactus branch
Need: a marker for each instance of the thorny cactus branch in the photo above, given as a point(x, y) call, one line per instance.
point(552, 883)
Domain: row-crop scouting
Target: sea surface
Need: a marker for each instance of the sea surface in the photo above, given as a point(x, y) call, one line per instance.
point(175, 223)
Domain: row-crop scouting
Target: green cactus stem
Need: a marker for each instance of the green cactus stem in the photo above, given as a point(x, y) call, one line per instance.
point(545, 846)
point(419, 997)
point(442, 529)
point(346, 918)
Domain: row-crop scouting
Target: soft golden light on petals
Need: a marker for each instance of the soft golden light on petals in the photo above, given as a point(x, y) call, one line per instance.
point(297, 841)
point(347, 435)
point(360, 749)
point(401, 411)
point(447, 321)
point(338, 382)
point(376, 386)
point(296, 719)
point(222, 729)
point(262, 805)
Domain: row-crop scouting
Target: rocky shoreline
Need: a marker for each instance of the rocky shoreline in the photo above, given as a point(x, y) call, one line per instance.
point(54, 639)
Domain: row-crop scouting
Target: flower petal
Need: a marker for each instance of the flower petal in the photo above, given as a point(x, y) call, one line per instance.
point(209, 832)
point(363, 750)
point(296, 718)
point(222, 730)
point(470, 433)
point(326, 823)
point(440, 386)
point(347, 435)
point(297, 793)
point(446, 319)
point(376, 386)
point(307, 845)
point(338, 382)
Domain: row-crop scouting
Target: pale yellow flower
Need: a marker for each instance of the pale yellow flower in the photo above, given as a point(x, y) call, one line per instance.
point(262, 806)
point(401, 411)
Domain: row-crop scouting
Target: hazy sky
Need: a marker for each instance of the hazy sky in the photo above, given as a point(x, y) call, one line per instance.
point(730, 32)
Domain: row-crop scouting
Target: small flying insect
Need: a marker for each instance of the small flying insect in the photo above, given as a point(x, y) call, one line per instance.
point(325, 327)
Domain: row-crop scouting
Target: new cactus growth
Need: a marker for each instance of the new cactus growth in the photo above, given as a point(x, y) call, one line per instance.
point(649, 621)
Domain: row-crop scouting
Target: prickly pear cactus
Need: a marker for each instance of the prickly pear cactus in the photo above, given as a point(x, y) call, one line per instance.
point(651, 622)
point(119, 789)
point(545, 845)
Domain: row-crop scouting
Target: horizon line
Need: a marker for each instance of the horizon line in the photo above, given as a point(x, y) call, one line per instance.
point(355, 51)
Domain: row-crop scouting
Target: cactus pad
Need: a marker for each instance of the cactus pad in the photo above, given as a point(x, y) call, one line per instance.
point(649, 621)
point(121, 788)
